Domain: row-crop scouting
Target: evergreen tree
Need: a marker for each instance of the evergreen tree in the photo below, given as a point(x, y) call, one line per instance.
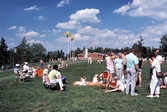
point(3, 53)
point(11, 58)
point(163, 42)
point(38, 52)
point(23, 51)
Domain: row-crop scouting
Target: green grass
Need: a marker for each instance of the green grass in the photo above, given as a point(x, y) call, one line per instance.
point(31, 96)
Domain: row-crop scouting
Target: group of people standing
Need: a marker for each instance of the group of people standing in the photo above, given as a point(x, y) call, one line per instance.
point(128, 67)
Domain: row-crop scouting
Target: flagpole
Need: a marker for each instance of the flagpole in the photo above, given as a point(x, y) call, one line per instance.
point(74, 47)
point(70, 46)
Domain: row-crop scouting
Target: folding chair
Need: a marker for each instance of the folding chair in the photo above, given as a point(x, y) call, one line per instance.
point(19, 75)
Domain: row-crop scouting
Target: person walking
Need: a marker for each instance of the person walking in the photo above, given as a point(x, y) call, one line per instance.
point(132, 69)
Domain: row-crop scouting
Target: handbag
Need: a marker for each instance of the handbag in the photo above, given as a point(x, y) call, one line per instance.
point(159, 74)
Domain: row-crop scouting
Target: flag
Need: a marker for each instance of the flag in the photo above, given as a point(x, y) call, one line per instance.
point(72, 38)
point(66, 34)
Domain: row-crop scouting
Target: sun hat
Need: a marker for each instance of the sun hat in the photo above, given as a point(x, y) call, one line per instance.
point(115, 77)
point(26, 63)
point(17, 65)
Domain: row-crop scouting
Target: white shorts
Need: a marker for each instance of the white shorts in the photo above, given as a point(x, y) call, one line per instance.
point(110, 70)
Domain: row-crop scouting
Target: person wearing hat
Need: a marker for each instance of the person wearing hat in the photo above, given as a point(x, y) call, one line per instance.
point(17, 68)
point(119, 87)
point(25, 67)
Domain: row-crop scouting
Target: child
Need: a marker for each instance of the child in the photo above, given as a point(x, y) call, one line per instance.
point(119, 87)
point(82, 81)
point(95, 81)
point(45, 77)
point(95, 78)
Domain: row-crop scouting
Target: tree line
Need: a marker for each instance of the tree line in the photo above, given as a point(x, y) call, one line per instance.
point(25, 52)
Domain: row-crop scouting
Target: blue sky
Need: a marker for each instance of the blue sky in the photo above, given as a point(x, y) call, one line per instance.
point(106, 23)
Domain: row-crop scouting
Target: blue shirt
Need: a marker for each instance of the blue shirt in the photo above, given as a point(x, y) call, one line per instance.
point(118, 62)
point(16, 69)
point(131, 60)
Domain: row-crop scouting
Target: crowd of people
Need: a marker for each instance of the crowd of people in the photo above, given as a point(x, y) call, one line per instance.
point(124, 73)
point(128, 68)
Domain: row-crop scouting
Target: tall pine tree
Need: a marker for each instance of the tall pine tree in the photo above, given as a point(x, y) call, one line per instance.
point(3, 52)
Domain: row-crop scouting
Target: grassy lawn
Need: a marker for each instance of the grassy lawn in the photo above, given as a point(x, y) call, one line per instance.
point(31, 96)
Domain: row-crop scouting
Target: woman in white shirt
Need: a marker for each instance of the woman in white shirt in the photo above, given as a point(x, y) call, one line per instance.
point(155, 82)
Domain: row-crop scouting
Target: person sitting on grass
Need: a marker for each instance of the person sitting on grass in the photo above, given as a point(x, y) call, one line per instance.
point(118, 87)
point(95, 81)
point(163, 82)
point(46, 72)
point(45, 78)
point(82, 81)
point(55, 78)
point(62, 77)
point(95, 78)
